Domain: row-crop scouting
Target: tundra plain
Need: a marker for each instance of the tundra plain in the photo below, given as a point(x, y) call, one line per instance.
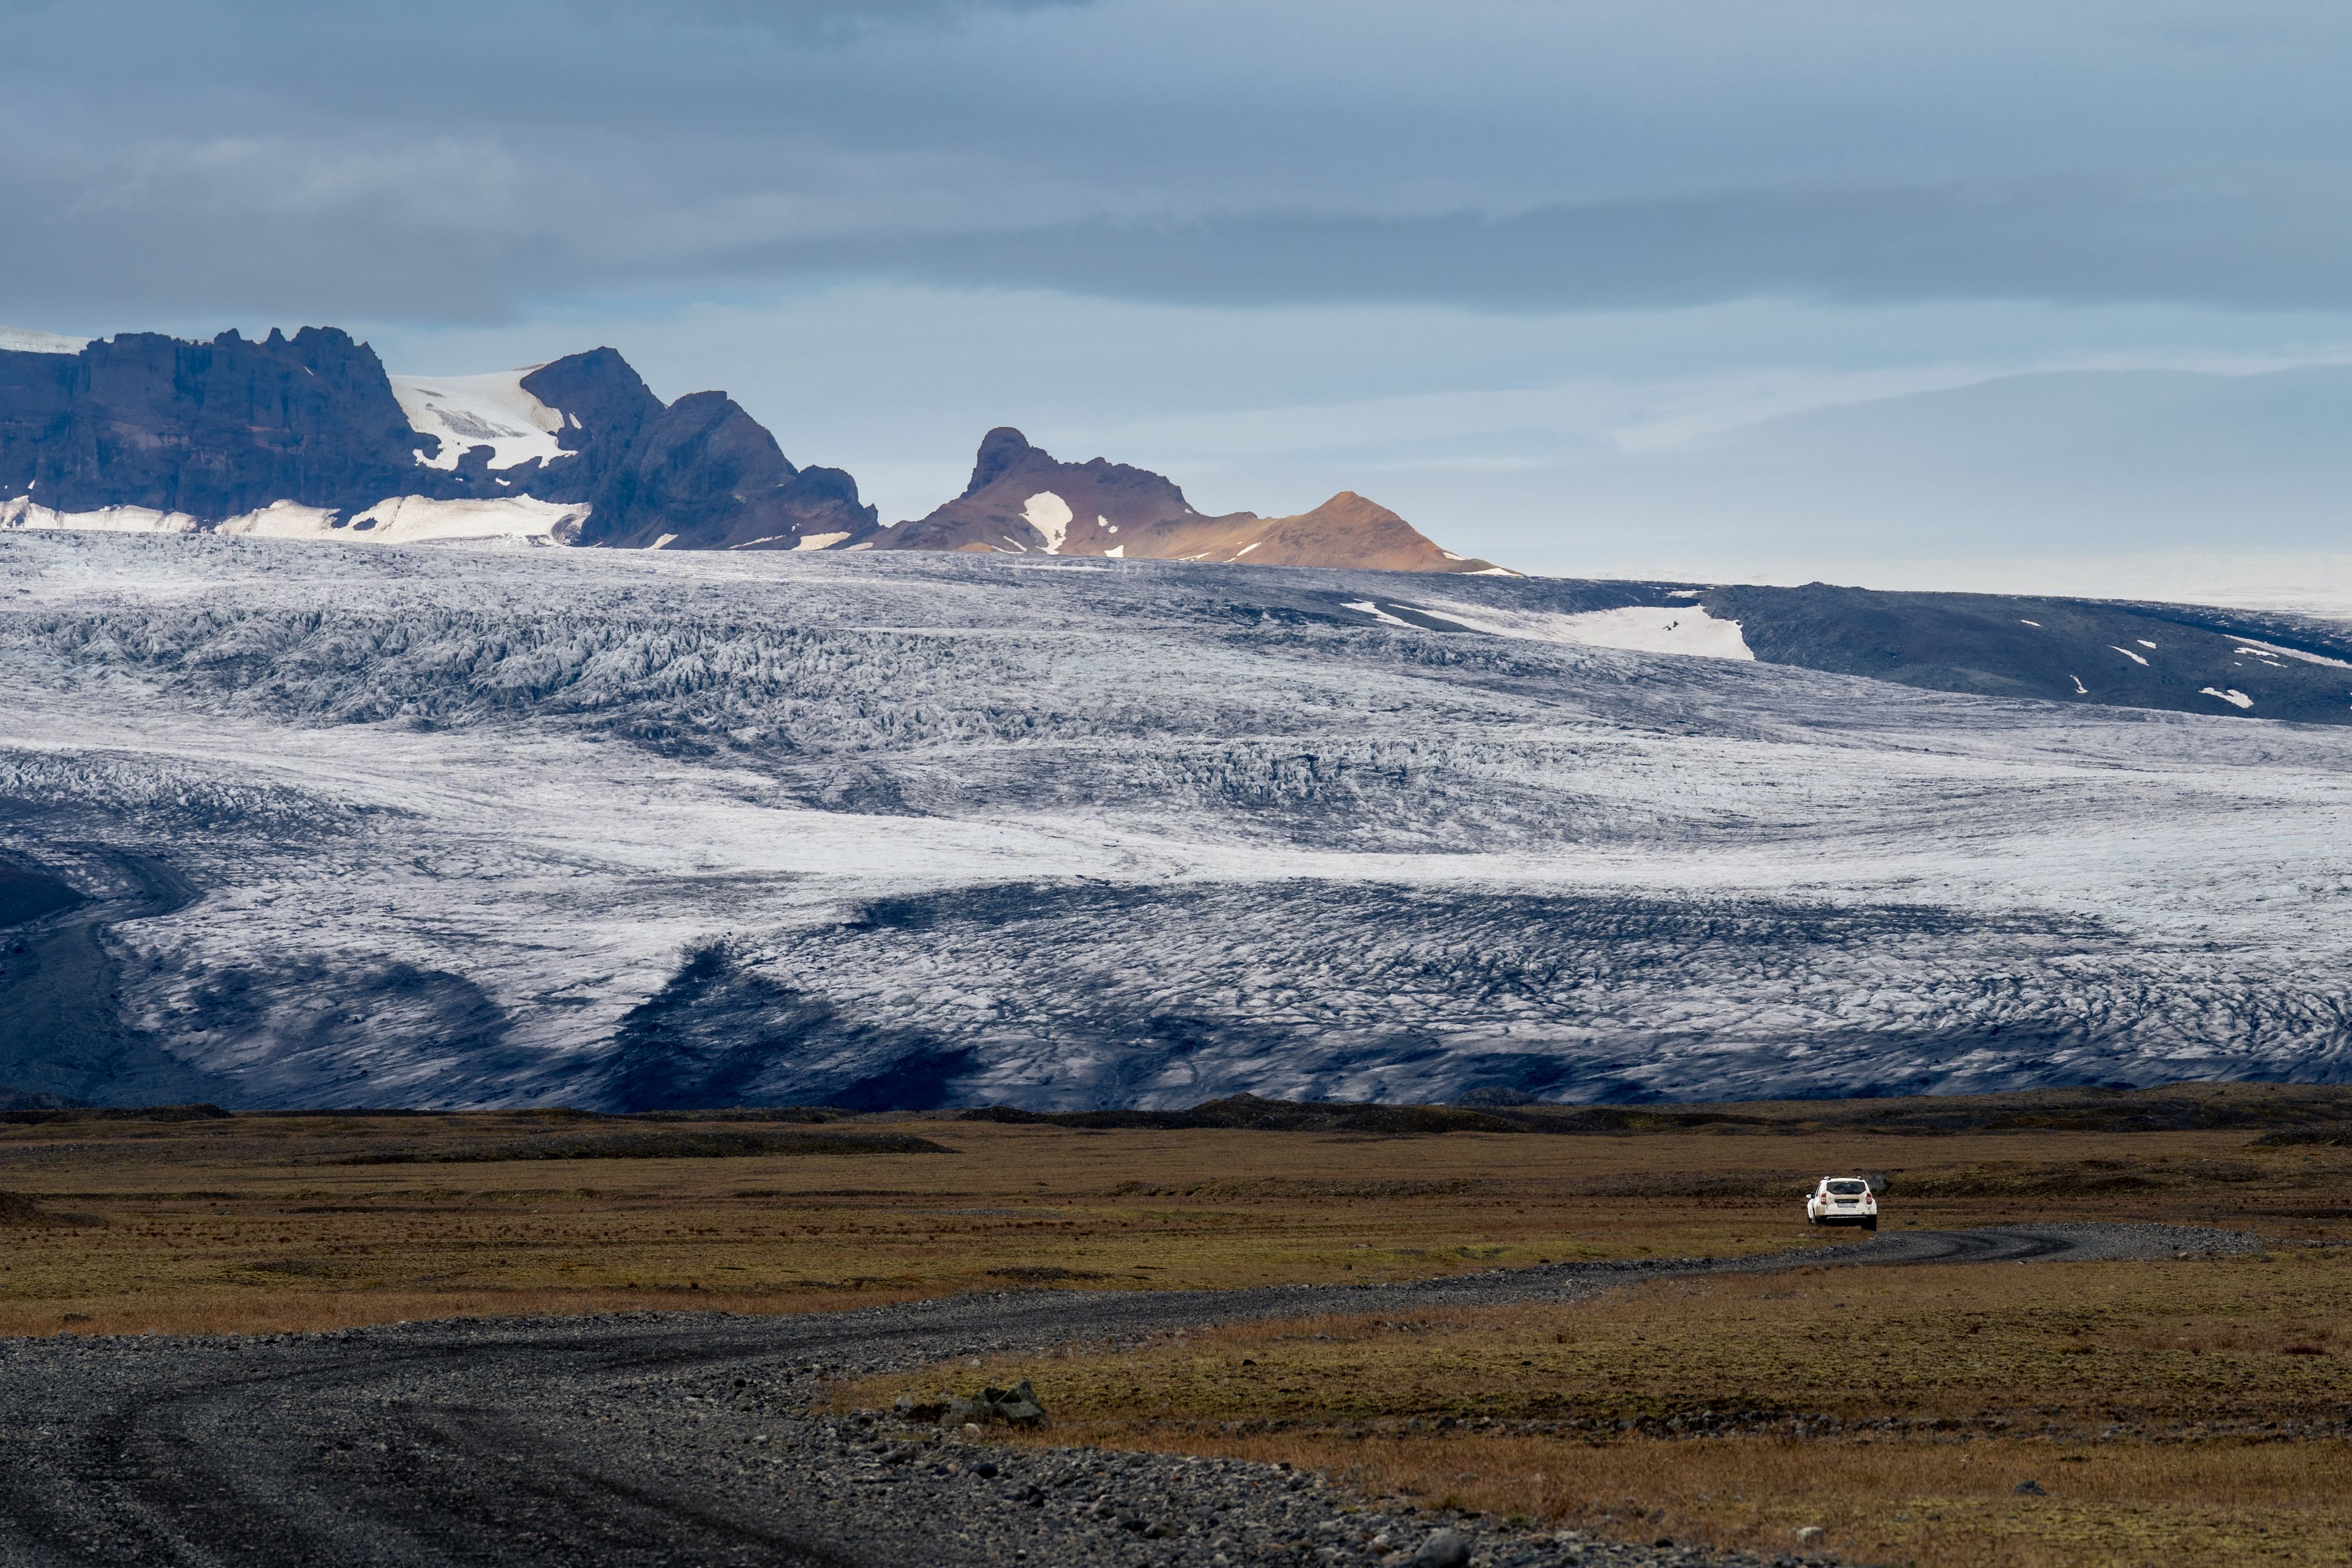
point(2188, 1409)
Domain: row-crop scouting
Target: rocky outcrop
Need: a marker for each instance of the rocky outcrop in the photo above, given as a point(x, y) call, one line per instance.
point(1024, 500)
point(309, 435)
point(700, 474)
point(707, 476)
point(210, 430)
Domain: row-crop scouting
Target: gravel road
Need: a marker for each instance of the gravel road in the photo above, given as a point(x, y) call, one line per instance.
point(686, 1439)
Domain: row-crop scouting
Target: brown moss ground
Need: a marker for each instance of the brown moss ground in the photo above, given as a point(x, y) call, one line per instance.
point(2174, 1412)
point(2193, 1412)
point(265, 1221)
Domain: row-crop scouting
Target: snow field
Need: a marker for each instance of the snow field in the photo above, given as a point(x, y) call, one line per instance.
point(1057, 835)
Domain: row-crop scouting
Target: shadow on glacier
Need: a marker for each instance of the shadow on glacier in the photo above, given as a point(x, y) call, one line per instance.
point(1052, 997)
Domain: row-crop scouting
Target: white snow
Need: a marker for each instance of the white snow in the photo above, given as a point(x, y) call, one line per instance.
point(2234, 696)
point(1496, 571)
point(821, 540)
point(283, 519)
point(2140, 659)
point(17, 341)
point(664, 539)
point(415, 520)
point(491, 411)
point(1671, 593)
point(1641, 629)
point(1369, 609)
point(402, 519)
point(1246, 548)
point(2247, 645)
point(1117, 551)
point(1106, 524)
point(2023, 622)
point(2080, 689)
point(23, 513)
point(2143, 642)
point(1050, 515)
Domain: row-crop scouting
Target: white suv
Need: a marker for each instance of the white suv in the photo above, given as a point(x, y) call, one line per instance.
point(1842, 1200)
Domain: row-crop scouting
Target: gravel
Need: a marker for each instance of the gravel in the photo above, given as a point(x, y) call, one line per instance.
point(666, 1439)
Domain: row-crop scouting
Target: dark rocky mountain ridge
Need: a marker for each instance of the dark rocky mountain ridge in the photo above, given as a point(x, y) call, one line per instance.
point(210, 429)
point(207, 435)
point(213, 431)
point(2182, 658)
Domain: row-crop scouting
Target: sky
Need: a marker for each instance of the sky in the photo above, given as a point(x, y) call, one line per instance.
point(2001, 294)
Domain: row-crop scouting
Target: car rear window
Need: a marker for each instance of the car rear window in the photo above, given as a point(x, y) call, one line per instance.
point(1849, 1189)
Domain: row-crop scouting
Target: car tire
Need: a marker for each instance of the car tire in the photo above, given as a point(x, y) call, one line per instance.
point(1870, 1223)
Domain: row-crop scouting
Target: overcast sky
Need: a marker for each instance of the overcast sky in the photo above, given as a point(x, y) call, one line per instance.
point(1757, 287)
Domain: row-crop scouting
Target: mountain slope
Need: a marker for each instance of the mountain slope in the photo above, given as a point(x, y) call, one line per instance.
point(1022, 500)
point(1346, 531)
point(2178, 657)
point(2078, 653)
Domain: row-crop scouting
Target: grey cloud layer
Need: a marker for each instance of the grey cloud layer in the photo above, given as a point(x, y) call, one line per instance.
point(454, 163)
point(2285, 247)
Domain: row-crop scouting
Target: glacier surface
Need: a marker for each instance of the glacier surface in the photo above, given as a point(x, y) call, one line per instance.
point(460, 827)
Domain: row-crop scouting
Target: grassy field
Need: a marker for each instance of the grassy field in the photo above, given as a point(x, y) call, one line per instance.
point(2195, 1411)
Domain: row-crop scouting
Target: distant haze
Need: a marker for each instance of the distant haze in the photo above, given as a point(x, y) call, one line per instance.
point(2002, 295)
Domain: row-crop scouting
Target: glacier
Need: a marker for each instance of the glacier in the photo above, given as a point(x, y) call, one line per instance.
point(457, 826)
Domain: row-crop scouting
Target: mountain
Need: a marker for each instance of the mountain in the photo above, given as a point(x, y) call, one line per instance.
point(308, 437)
point(1023, 500)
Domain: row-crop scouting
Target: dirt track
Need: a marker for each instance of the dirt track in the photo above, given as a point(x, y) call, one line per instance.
point(669, 1438)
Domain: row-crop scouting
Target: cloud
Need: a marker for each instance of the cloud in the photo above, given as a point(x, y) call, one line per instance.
point(819, 21)
point(449, 161)
point(2279, 244)
point(1526, 268)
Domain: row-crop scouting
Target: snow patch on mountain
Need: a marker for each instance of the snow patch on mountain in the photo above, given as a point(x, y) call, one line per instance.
point(1367, 607)
point(1638, 628)
point(491, 411)
point(1050, 515)
point(284, 519)
point(418, 520)
point(400, 519)
point(2275, 651)
point(23, 513)
point(17, 341)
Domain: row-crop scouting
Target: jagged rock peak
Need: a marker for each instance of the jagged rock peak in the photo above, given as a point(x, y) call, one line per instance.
point(1001, 451)
point(310, 437)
